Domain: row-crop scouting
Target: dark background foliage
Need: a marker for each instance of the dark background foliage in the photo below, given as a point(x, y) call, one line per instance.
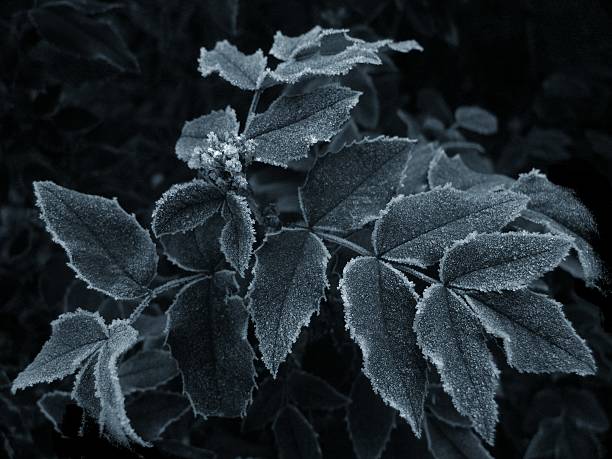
point(93, 95)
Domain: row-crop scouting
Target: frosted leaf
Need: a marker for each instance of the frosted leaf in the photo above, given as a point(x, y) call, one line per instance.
point(185, 206)
point(84, 390)
point(289, 280)
point(106, 246)
point(347, 188)
point(417, 167)
point(561, 212)
point(238, 234)
point(448, 442)
point(451, 337)
point(268, 400)
point(207, 337)
point(285, 131)
point(502, 261)
point(195, 136)
point(443, 170)
point(379, 308)
point(369, 420)
point(310, 392)
point(294, 435)
point(113, 419)
point(53, 407)
point(537, 336)
point(242, 70)
point(147, 370)
point(476, 119)
point(285, 47)
point(198, 249)
point(417, 229)
point(153, 411)
point(74, 337)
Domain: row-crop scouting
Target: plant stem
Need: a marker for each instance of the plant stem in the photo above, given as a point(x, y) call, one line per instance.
point(344, 243)
point(252, 108)
point(416, 273)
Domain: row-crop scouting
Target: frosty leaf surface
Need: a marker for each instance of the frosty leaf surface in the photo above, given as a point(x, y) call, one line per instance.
point(195, 134)
point(443, 170)
point(84, 390)
point(185, 206)
point(207, 337)
point(537, 336)
point(442, 407)
point(106, 246)
point(267, 402)
point(379, 307)
point(289, 280)
point(147, 370)
point(153, 411)
point(53, 407)
point(561, 212)
point(284, 47)
point(287, 129)
point(502, 261)
point(346, 188)
point(238, 234)
point(417, 168)
point(242, 70)
point(369, 420)
point(417, 229)
point(448, 442)
point(476, 119)
point(452, 339)
point(310, 392)
point(294, 435)
point(74, 337)
point(198, 249)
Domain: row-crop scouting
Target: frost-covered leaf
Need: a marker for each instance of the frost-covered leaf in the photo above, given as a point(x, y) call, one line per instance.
point(153, 411)
point(502, 261)
point(448, 442)
point(198, 249)
point(417, 229)
point(285, 48)
point(242, 70)
point(451, 337)
point(53, 406)
point(289, 280)
point(84, 390)
point(561, 212)
point(379, 305)
point(476, 119)
point(147, 370)
point(347, 188)
point(267, 402)
point(238, 234)
point(207, 337)
point(185, 206)
point(537, 336)
point(197, 134)
point(74, 337)
point(106, 246)
point(369, 420)
point(415, 178)
point(287, 129)
point(294, 436)
point(443, 170)
point(310, 392)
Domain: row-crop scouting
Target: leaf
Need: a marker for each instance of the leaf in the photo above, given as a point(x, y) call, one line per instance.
point(379, 308)
point(561, 438)
point(238, 234)
point(417, 229)
point(369, 420)
point(537, 336)
point(289, 280)
point(153, 411)
point(476, 119)
point(443, 170)
point(267, 402)
point(561, 212)
point(367, 112)
point(294, 436)
point(417, 167)
point(74, 337)
point(107, 247)
point(185, 206)
point(147, 370)
point(347, 188)
point(310, 392)
point(501, 261)
point(442, 408)
point(207, 337)
point(448, 442)
point(452, 339)
point(245, 71)
point(285, 48)
point(53, 406)
point(84, 390)
point(198, 249)
point(285, 131)
point(195, 134)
